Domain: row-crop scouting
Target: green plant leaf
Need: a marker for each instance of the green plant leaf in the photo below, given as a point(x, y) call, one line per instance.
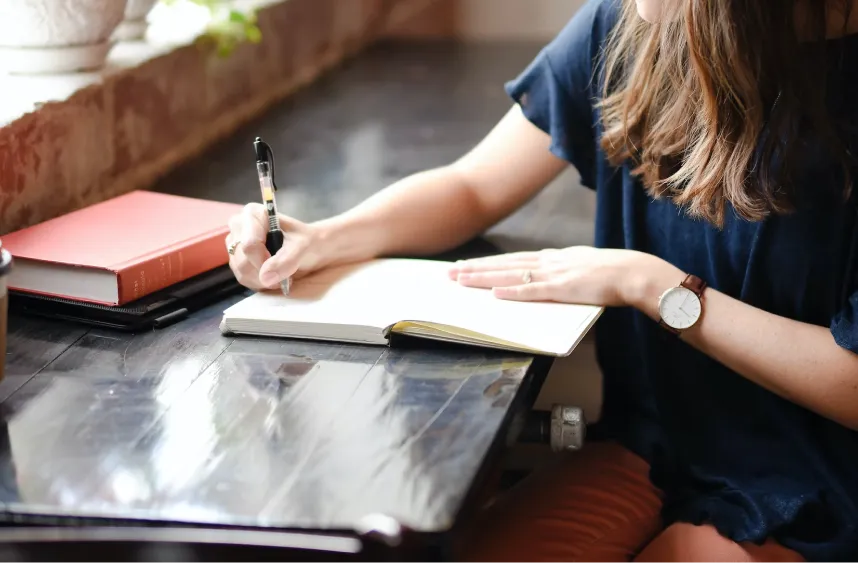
point(254, 34)
point(237, 17)
point(228, 26)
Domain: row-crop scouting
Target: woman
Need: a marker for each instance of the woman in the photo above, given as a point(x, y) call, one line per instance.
point(719, 139)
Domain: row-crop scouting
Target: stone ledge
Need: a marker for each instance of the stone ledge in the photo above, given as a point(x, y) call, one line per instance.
point(154, 107)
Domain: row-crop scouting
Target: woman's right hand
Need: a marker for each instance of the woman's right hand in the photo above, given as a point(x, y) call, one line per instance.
point(251, 262)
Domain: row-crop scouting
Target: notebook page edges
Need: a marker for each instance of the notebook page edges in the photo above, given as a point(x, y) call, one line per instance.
point(464, 336)
point(555, 329)
point(475, 314)
point(456, 335)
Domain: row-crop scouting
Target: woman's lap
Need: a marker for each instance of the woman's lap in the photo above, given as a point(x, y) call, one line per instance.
point(595, 505)
point(598, 505)
point(686, 542)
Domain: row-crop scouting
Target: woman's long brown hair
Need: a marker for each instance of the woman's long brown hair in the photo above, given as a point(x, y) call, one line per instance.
point(687, 100)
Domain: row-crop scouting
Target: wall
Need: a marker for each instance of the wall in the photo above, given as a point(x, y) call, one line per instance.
point(491, 20)
point(536, 20)
point(438, 19)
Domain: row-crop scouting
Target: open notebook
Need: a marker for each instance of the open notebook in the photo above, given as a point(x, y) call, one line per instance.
point(365, 303)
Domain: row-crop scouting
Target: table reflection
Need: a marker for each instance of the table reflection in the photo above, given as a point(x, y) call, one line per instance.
point(270, 434)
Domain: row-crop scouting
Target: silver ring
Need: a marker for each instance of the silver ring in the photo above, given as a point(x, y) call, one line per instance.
point(231, 248)
point(527, 277)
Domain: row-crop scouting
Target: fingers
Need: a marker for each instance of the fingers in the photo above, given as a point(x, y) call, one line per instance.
point(514, 285)
point(252, 243)
point(282, 265)
point(245, 273)
point(500, 278)
point(511, 261)
point(538, 291)
point(544, 275)
point(502, 258)
point(287, 224)
point(244, 269)
point(247, 232)
point(472, 269)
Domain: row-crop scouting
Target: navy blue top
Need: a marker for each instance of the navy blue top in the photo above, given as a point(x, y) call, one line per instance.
point(723, 449)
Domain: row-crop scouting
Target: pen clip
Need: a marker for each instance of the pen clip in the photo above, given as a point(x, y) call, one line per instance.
point(265, 154)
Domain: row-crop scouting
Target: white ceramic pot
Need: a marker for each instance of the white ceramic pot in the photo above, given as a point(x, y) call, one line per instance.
point(134, 26)
point(56, 36)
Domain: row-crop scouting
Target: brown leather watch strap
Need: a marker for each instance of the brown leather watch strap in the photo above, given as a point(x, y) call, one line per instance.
point(694, 283)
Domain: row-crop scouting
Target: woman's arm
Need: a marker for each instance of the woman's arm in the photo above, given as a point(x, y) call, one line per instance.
point(436, 210)
point(798, 361)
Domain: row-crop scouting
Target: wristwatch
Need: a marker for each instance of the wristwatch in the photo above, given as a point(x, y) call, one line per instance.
point(680, 307)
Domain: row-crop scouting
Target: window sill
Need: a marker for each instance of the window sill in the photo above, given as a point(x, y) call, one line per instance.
point(169, 29)
point(71, 140)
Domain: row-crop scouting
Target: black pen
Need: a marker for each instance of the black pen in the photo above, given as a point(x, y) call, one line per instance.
point(265, 168)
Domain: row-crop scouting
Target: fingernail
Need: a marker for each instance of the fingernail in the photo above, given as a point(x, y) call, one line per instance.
point(269, 278)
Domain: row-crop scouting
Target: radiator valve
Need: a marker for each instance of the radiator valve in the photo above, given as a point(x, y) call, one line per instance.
point(568, 428)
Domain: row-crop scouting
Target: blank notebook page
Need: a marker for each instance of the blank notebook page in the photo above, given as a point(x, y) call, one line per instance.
point(552, 327)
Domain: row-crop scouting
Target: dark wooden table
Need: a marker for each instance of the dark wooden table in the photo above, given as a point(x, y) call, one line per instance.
point(185, 427)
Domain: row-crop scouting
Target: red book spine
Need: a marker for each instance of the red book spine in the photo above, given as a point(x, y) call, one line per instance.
point(174, 265)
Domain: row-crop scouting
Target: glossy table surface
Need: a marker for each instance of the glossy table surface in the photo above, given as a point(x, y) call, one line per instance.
point(185, 425)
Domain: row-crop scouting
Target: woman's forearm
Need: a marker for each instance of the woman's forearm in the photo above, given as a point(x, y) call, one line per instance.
point(425, 213)
point(798, 361)
point(436, 210)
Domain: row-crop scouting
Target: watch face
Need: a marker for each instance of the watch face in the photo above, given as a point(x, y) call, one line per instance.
point(679, 308)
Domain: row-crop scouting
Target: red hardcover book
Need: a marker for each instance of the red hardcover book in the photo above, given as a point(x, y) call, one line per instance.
point(122, 249)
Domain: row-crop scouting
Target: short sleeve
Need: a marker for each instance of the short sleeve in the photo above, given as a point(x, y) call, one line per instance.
point(556, 92)
point(844, 325)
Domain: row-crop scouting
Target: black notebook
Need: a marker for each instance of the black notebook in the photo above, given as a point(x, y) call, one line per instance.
point(157, 310)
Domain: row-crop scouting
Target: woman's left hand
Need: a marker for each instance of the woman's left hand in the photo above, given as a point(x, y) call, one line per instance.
point(578, 274)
